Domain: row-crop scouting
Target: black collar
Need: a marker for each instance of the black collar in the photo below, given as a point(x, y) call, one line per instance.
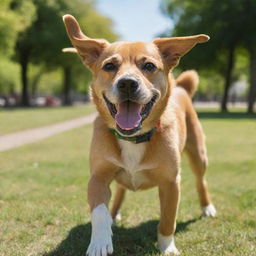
point(135, 139)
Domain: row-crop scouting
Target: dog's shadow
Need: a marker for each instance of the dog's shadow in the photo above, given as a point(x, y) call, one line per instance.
point(127, 241)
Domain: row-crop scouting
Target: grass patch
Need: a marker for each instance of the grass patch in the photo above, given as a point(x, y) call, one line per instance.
point(18, 119)
point(43, 209)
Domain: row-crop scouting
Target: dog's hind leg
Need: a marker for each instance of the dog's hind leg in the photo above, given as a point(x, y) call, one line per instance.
point(198, 165)
point(118, 200)
point(196, 152)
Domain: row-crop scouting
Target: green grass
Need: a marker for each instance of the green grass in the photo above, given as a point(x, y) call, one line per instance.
point(43, 208)
point(17, 119)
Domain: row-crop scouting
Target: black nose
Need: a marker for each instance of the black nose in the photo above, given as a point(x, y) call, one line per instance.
point(127, 85)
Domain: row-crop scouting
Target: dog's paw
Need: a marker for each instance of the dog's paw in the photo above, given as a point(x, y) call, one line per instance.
point(101, 247)
point(209, 211)
point(118, 217)
point(166, 245)
point(101, 239)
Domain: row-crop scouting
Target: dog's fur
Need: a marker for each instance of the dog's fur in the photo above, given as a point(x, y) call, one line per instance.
point(148, 164)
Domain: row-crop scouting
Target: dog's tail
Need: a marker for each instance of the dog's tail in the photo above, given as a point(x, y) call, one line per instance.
point(189, 80)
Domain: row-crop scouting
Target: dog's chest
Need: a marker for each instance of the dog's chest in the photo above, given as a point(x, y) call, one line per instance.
point(132, 155)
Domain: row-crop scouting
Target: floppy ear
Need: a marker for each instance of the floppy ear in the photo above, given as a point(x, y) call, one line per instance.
point(173, 48)
point(89, 49)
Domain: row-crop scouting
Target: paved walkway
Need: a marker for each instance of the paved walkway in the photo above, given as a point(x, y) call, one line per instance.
point(17, 139)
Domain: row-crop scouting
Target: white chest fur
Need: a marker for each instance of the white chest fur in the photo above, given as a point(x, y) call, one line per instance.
point(132, 155)
point(132, 163)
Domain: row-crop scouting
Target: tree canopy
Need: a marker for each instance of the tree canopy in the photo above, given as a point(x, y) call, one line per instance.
point(229, 23)
point(34, 32)
point(15, 16)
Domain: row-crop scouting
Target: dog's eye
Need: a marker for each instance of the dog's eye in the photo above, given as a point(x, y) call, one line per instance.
point(109, 67)
point(149, 66)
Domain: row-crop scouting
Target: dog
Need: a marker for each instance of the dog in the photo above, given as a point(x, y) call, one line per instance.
point(146, 120)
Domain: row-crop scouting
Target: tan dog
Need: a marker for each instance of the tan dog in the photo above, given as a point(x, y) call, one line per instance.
point(146, 120)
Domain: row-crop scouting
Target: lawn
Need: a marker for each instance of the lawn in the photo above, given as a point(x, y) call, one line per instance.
point(17, 119)
point(43, 208)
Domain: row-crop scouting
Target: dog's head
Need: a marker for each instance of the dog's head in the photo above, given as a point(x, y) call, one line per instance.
point(130, 85)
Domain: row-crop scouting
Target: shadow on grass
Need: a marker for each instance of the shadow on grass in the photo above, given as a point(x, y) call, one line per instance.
point(127, 241)
point(225, 115)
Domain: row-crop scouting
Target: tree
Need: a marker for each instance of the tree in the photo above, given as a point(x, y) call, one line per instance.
point(248, 40)
point(42, 42)
point(252, 89)
point(14, 17)
point(8, 83)
point(228, 32)
point(39, 42)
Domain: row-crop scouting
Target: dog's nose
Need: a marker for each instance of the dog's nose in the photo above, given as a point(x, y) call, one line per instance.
point(127, 85)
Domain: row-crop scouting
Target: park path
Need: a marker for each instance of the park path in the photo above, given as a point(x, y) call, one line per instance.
point(17, 139)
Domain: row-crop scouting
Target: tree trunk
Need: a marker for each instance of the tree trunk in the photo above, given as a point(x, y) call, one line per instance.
point(35, 82)
point(67, 86)
point(228, 78)
point(24, 81)
point(252, 89)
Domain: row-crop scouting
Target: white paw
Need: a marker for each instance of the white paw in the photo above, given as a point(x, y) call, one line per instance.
point(209, 211)
point(118, 217)
point(101, 239)
point(166, 244)
point(102, 246)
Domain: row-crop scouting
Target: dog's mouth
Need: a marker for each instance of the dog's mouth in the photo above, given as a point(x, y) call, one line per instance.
point(129, 115)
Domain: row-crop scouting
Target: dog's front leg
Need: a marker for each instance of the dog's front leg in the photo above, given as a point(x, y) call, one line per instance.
point(98, 197)
point(169, 200)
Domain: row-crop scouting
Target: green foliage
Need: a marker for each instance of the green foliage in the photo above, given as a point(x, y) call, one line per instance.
point(210, 88)
point(47, 35)
point(197, 17)
point(15, 16)
point(9, 76)
point(229, 23)
point(241, 69)
point(36, 29)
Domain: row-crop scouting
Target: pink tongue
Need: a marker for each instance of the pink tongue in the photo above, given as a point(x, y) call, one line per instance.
point(128, 115)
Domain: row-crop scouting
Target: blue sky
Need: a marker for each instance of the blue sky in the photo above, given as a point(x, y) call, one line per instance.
point(135, 20)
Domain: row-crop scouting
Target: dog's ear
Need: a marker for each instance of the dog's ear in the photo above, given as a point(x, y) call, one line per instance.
point(89, 49)
point(173, 48)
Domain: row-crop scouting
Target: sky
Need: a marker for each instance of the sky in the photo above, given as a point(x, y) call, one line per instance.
point(135, 20)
